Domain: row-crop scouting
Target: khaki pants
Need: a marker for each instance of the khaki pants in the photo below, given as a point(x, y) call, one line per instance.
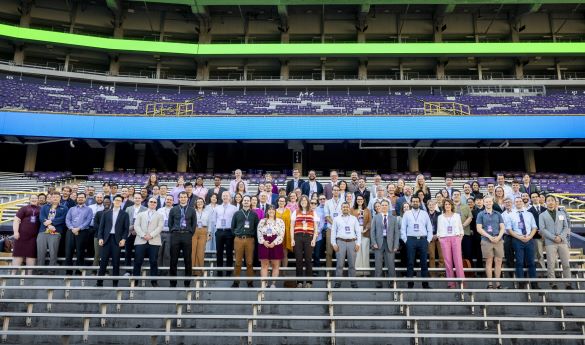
point(198, 242)
point(435, 246)
point(244, 247)
point(328, 249)
point(540, 251)
point(553, 253)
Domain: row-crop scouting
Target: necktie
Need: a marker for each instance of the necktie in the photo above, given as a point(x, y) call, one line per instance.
point(522, 221)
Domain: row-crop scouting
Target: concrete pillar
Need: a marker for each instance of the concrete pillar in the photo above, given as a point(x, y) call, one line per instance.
point(203, 70)
point(558, 70)
point(110, 157)
point(393, 160)
point(245, 72)
point(114, 65)
point(182, 158)
point(401, 70)
point(413, 160)
point(66, 63)
point(204, 32)
point(297, 148)
point(19, 55)
point(31, 157)
point(284, 37)
point(158, 69)
point(529, 161)
point(440, 70)
point(479, 71)
point(284, 70)
point(437, 32)
point(140, 155)
point(361, 37)
point(514, 34)
point(487, 171)
point(363, 70)
point(323, 70)
point(210, 158)
point(25, 16)
point(519, 70)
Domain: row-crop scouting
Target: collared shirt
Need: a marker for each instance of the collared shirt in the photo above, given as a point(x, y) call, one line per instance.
point(333, 208)
point(320, 210)
point(374, 200)
point(79, 217)
point(346, 227)
point(200, 191)
point(508, 192)
point(115, 213)
point(175, 193)
point(514, 223)
point(165, 213)
point(506, 217)
point(416, 223)
point(136, 211)
point(490, 223)
point(95, 208)
point(245, 223)
point(223, 215)
point(465, 213)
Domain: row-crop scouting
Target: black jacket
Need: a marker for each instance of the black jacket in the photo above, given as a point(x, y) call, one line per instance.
point(290, 185)
point(175, 218)
point(121, 228)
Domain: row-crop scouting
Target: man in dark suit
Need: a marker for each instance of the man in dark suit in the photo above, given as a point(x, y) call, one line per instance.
point(385, 237)
point(536, 209)
point(312, 185)
point(217, 190)
point(182, 221)
point(112, 235)
point(295, 183)
point(528, 187)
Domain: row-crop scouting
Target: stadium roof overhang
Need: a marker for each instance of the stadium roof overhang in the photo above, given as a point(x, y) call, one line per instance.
point(295, 49)
point(200, 3)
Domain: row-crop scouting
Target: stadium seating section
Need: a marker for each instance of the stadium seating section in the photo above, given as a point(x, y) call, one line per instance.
point(36, 94)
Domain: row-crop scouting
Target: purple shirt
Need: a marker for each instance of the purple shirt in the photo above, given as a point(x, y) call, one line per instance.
point(175, 193)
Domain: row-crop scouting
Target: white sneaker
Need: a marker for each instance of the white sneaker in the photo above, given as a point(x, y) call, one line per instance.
point(308, 285)
point(127, 274)
point(273, 286)
point(299, 285)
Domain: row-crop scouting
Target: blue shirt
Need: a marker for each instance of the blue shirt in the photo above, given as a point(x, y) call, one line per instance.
point(514, 222)
point(416, 223)
point(490, 223)
point(79, 217)
point(320, 210)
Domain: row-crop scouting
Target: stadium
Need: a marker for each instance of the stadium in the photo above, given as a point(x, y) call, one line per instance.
point(293, 136)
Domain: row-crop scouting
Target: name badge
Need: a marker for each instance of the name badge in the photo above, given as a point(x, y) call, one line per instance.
point(347, 230)
point(521, 225)
point(269, 232)
point(490, 229)
point(183, 223)
point(223, 223)
point(247, 224)
point(561, 217)
point(361, 221)
point(335, 214)
point(449, 229)
point(415, 227)
point(33, 219)
point(199, 224)
point(166, 223)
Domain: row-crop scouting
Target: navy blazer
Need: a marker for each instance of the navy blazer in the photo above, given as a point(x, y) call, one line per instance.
point(121, 229)
point(306, 188)
point(59, 220)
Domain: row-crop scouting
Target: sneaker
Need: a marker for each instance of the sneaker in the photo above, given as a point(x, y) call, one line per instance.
point(378, 285)
point(154, 284)
point(569, 287)
point(426, 286)
point(127, 274)
point(354, 285)
point(250, 284)
point(337, 285)
point(308, 285)
point(273, 286)
point(554, 287)
point(299, 285)
point(235, 285)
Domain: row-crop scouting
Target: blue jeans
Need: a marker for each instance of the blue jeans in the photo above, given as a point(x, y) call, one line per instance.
point(412, 246)
point(525, 254)
point(317, 253)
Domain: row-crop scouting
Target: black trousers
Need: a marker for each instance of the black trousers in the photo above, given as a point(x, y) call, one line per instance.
point(78, 244)
point(224, 240)
point(180, 241)
point(129, 250)
point(471, 250)
point(303, 255)
point(111, 249)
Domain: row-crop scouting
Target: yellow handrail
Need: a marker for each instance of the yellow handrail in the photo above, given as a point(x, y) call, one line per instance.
point(10, 205)
point(565, 197)
point(17, 192)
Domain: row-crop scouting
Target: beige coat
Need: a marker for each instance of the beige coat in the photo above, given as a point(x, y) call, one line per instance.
point(143, 227)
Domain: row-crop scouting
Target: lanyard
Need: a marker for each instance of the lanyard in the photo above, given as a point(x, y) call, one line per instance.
point(416, 218)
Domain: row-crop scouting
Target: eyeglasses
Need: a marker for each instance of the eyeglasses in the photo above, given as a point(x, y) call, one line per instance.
point(152, 202)
point(313, 203)
point(322, 199)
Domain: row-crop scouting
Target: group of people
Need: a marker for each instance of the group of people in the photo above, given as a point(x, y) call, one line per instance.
point(347, 220)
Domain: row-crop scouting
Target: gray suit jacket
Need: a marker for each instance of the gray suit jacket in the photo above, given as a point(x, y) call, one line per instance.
point(550, 228)
point(392, 235)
